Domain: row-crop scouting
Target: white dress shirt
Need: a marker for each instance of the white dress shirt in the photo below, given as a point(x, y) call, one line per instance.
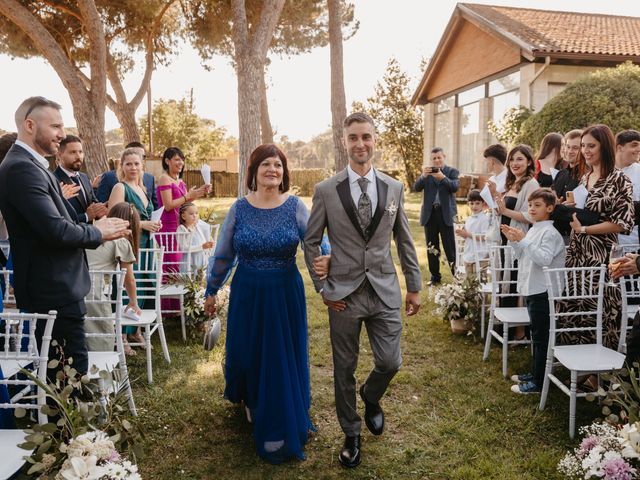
point(476, 223)
point(541, 247)
point(633, 172)
point(372, 189)
point(499, 180)
point(43, 161)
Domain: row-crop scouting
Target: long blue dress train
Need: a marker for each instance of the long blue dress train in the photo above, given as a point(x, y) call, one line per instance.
point(266, 364)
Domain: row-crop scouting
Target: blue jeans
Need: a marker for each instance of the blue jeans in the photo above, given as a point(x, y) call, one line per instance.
point(538, 308)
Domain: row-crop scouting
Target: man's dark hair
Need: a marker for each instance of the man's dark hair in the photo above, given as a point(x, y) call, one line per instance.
point(6, 142)
point(69, 139)
point(627, 136)
point(359, 117)
point(437, 150)
point(474, 196)
point(497, 151)
point(547, 195)
point(135, 145)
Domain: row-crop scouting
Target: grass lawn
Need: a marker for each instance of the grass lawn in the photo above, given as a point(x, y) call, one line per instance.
point(449, 415)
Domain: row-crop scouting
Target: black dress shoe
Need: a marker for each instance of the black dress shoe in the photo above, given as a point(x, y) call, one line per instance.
point(433, 283)
point(350, 453)
point(373, 415)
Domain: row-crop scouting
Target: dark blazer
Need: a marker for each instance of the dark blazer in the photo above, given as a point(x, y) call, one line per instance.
point(109, 179)
point(47, 245)
point(446, 188)
point(78, 202)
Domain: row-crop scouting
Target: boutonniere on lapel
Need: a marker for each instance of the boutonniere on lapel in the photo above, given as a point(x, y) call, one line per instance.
point(391, 209)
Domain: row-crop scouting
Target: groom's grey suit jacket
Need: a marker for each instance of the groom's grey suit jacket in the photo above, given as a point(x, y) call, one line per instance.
point(356, 254)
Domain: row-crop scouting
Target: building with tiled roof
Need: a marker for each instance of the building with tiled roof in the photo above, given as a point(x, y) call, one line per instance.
point(492, 58)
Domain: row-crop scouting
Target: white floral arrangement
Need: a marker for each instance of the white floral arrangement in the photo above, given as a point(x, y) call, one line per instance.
point(93, 456)
point(606, 452)
point(460, 300)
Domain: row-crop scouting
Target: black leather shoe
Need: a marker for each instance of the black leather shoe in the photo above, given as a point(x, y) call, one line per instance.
point(373, 415)
point(433, 283)
point(350, 453)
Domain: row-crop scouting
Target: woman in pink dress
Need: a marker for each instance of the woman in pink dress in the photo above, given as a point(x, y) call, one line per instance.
point(172, 193)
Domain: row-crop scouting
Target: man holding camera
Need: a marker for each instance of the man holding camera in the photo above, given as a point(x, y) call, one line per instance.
point(439, 183)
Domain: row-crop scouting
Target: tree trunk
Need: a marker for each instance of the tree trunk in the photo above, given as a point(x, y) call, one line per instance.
point(265, 121)
point(338, 101)
point(249, 75)
point(250, 54)
point(126, 115)
point(88, 100)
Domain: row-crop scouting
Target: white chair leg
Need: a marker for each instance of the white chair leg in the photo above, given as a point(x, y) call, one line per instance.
point(548, 370)
point(183, 319)
point(572, 403)
point(482, 315)
point(487, 342)
point(163, 341)
point(505, 348)
point(147, 338)
point(123, 372)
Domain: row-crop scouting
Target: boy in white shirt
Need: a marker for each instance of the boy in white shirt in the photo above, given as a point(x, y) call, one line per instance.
point(478, 223)
point(627, 156)
point(542, 246)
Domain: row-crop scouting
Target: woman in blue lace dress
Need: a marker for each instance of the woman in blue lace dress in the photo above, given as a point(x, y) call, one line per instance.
point(266, 365)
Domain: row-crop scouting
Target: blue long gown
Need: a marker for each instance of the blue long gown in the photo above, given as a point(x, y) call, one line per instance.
point(266, 364)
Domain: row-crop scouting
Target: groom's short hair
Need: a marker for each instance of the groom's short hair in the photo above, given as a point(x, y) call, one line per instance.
point(359, 117)
point(31, 105)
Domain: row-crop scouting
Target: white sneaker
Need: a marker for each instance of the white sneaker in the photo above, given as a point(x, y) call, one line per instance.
point(130, 314)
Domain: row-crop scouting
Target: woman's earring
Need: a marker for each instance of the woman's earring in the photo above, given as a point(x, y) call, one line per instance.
point(254, 187)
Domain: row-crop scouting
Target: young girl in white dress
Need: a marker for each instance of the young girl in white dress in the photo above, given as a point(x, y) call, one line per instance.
point(199, 238)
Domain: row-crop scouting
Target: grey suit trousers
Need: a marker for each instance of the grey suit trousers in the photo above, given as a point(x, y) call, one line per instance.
point(384, 328)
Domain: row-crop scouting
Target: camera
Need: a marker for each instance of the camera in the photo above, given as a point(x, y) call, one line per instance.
point(432, 169)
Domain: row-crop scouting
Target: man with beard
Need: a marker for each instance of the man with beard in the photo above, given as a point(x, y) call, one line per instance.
point(362, 209)
point(70, 158)
point(47, 245)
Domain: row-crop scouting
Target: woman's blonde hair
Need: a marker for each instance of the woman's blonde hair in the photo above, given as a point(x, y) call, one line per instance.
point(120, 172)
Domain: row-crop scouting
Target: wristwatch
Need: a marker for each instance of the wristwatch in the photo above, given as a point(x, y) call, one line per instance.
point(583, 229)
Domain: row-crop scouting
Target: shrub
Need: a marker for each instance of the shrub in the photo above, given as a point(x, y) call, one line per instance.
point(610, 96)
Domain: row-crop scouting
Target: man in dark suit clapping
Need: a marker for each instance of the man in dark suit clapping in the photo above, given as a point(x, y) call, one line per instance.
point(70, 159)
point(439, 183)
point(47, 242)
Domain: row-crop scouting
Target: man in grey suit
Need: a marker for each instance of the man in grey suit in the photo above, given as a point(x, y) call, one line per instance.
point(362, 208)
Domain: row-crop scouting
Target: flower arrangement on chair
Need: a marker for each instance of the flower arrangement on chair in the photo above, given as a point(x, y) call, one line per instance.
point(93, 429)
point(460, 303)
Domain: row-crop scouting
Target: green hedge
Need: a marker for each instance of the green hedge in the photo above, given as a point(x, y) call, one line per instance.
point(610, 96)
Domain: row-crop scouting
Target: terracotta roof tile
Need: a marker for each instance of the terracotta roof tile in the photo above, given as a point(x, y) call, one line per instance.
point(565, 32)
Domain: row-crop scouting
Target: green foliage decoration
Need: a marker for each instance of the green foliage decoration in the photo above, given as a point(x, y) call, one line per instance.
point(610, 96)
point(78, 405)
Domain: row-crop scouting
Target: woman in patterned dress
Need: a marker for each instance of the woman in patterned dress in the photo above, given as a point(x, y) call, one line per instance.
point(611, 195)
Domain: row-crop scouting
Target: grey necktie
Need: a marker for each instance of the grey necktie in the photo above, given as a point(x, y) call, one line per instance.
point(364, 205)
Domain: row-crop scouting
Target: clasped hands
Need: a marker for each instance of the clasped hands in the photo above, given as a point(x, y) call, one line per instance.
point(513, 234)
point(320, 267)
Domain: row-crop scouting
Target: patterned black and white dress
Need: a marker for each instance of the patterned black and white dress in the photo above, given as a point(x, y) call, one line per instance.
point(612, 197)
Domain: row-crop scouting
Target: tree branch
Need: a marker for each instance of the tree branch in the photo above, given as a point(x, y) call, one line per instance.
point(97, 54)
point(44, 42)
point(64, 9)
point(263, 34)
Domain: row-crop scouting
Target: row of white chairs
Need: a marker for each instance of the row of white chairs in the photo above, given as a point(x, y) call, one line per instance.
point(583, 286)
point(180, 256)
